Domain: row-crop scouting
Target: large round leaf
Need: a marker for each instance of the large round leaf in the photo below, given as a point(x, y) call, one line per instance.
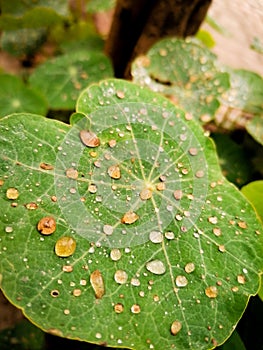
point(187, 72)
point(62, 78)
point(162, 251)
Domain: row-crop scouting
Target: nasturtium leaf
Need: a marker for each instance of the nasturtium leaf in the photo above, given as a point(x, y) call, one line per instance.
point(187, 72)
point(255, 128)
point(62, 78)
point(16, 97)
point(167, 254)
point(254, 193)
point(242, 101)
point(233, 159)
point(233, 343)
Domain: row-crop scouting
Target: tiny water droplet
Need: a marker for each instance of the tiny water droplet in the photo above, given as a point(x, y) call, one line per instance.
point(97, 283)
point(120, 276)
point(12, 193)
point(157, 267)
point(89, 138)
point(114, 172)
point(67, 268)
point(176, 327)
point(46, 225)
point(181, 281)
point(118, 308)
point(129, 218)
point(31, 206)
point(65, 246)
point(211, 292)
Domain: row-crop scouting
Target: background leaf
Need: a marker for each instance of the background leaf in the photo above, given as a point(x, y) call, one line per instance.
point(187, 72)
point(61, 79)
point(180, 275)
point(255, 128)
point(15, 96)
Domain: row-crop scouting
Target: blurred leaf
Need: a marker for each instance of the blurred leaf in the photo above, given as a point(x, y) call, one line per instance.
point(23, 336)
point(23, 41)
point(257, 45)
point(233, 159)
point(233, 343)
point(16, 97)
point(254, 193)
point(216, 26)
point(166, 251)
point(94, 6)
point(186, 72)
point(61, 79)
point(255, 128)
point(206, 38)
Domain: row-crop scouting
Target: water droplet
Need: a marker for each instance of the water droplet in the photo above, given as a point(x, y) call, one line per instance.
point(108, 230)
point(181, 281)
point(46, 225)
point(193, 151)
point(221, 248)
point(118, 308)
point(169, 235)
point(135, 309)
point(189, 267)
point(145, 194)
point(178, 194)
point(67, 268)
point(211, 292)
point(160, 186)
point(112, 143)
point(217, 231)
point(129, 218)
point(54, 293)
point(213, 219)
point(92, 188)
point(156, 236)
point(89, 138)
point(12, 193)
point(135, 282)
point(156, 266)
point(72, 173)
point(120, 276)
point(9, 229)
point(46, 166)
point(65, 246)
point(76, 292)
point(241, 279)
point(120, 94)
point(97, 283)
point(114, 172)
point(176, 327)
point(199, 174)
point(242, 224)
point(31, 206)
point(115, 254)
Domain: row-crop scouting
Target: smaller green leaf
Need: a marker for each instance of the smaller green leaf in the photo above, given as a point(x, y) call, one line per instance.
point(233, 159)
point(255, 128)
point(61, 79)
point(16, 97)
point(233, 343)
point(187, 72)
point(257, 45)
point(254, 193)
point(206, 38)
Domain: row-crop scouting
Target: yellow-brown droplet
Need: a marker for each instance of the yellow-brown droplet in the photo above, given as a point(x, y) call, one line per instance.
point(211, 292)
point(135, 309)
point(189, 267)
point(89, 138)
point(31, 206)
point(160, 186)
point(114, 172)
point(241, 279)
point(65, 246)
point(145, 194)
point(12, 193)
point(118, 308)
point(129, 218)
point(97, 283)
point(46, 225)
point(72, 173)
point(176, 327)
point(46, 166)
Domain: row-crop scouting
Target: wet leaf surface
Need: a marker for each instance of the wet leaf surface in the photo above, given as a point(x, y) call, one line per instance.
point(180, 276)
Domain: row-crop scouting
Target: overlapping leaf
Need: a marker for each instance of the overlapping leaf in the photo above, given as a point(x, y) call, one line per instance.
point(167, 251)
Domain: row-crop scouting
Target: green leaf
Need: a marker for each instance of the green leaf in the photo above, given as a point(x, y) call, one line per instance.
point(254, 193)
point(61, 79)
point(206, 38)
point(167, 250)
point(233, 343)
point(94, 6)
point(186, 72)
point(233, 159)
point(23, 336)
point(255, 128)
point(23, 41)
point(15, 96)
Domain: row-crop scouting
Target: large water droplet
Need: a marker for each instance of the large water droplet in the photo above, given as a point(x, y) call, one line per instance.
point(156, 266)
point(65, 246)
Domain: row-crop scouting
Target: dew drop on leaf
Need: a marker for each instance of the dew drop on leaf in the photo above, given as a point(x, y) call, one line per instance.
point(46, 225)
point(156, 267)
point(72, 173)
point(181, 281)
point(12, 193)
point(92, 188)
point(65, 246)
point(120, 276)
point(211, 292)
point(178, 194)
point(176, 327)
point(67, 268)
point(189, 267)
point(114, 172)
point(160, 186)
point(46, 166)
point(31, 206)
point(169, 235)
point(108, 230)
point(89, 138)
point(156, 237)
point(97, 283)
point(145, 194)
point(241, 279)
point(115, 254)
point(112, 143)
point(135, 309)
point(118, 308)
point(129, 218)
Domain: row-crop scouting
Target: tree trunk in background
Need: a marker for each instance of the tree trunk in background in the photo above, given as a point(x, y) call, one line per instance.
point(138, 24)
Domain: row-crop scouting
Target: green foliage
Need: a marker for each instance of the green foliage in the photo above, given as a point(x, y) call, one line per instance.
point(15, 96)
point(94, 6)
point(161, 236)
